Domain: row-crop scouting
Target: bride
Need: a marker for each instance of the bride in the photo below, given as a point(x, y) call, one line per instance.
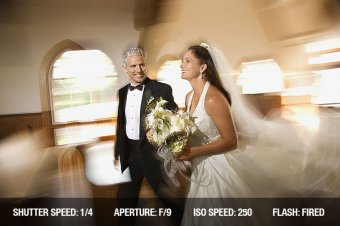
point(273, 162)
point(214, 147)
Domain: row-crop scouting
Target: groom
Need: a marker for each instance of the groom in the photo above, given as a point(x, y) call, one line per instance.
point(132, 147)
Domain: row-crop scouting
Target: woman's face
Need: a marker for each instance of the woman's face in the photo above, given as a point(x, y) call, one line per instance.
point(191, 66)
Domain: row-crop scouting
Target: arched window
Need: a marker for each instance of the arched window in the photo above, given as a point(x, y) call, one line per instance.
point(169, 72)
point(82, 86)
point(78, 89)
point(82, 91)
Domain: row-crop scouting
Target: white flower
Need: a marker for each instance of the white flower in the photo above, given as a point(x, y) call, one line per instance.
point(169, 128)
point(205, 45)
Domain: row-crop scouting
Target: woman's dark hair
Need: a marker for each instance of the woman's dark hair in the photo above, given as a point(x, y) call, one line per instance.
point(211, 73)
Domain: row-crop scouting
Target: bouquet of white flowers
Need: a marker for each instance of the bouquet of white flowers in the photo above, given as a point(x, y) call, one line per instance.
point(169, 131)
point(168, 128)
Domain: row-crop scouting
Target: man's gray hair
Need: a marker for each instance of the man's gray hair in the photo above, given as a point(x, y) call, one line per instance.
point(132, 52)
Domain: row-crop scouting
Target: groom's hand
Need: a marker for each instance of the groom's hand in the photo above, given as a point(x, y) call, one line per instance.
point(149, 135)
point(116, 164)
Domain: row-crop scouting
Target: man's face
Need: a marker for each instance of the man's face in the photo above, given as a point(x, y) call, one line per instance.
point(136, 69)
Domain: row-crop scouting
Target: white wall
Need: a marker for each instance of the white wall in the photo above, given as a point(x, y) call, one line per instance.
point(245, 32)
point(28, 29)
point(231, 25)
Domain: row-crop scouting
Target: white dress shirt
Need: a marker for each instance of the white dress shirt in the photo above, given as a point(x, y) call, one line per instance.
point(132, 113)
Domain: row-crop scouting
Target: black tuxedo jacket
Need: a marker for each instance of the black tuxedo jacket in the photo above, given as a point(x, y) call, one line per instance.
point(152, 89)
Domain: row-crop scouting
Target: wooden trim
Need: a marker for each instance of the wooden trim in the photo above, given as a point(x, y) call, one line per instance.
point(45, 68)
point(21, 115)
point(75, 123)
point(324, 66)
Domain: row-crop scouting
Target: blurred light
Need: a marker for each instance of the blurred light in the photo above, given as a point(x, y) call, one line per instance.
point(170, 73)
point(83, 133)
point(82, 90)
point(325, 58)
point(297, 91)
point(261, 77)
point(82, 86)
point(99, 169)
point(298, 84)
point(322, 45)
point(304, 115)
point(20, 156)
point(88, 112)
point(326, 87)
point(83, 63)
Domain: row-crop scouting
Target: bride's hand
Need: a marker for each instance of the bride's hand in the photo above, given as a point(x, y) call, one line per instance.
point(186, 155)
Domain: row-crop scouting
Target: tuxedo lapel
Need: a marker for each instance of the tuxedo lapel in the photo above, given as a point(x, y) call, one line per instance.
point(146, 97)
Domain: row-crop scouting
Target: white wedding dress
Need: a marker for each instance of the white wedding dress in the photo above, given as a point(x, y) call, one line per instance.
point(275, 166)
point(218, 175)
point(213, 176)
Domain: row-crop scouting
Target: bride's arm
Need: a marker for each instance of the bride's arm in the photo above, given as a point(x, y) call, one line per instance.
point(218, 109)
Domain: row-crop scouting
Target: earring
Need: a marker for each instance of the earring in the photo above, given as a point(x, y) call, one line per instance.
point(202, 75)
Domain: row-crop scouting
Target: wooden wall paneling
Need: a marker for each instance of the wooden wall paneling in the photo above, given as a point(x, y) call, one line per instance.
point(10, 124)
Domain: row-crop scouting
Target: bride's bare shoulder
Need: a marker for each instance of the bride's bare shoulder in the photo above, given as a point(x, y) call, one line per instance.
point(215, 97)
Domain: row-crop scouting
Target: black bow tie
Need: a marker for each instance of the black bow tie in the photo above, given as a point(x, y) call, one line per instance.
point(139, 87)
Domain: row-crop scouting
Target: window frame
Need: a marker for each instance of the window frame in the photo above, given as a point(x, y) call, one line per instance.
point(46, 98)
